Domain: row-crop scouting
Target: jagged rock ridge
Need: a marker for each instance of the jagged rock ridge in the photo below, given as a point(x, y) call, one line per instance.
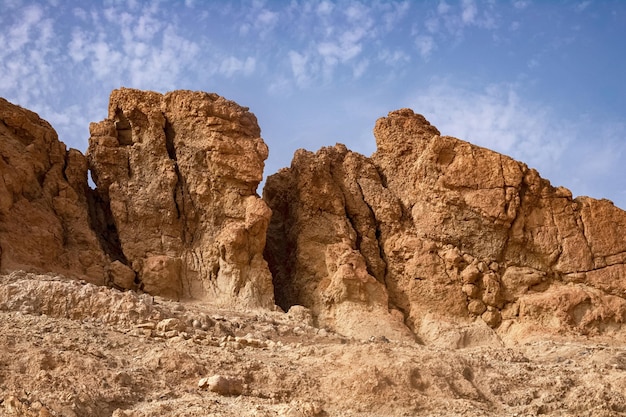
point(445, 232)
point(44, 215)
point(175, 212)
point(430, 238)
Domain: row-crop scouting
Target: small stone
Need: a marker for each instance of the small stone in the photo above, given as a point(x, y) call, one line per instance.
point(492, 317)
point(169, 325)
point(300, 314)
point(470, 290)
point(470, 274)
point(222, 385)
point(476, 307)
point(203, 383)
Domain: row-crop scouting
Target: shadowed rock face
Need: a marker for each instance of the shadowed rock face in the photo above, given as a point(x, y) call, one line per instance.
point(430, 238)
point(176, 178)
point(44, 220)
point(175, 212)
point(444, 231)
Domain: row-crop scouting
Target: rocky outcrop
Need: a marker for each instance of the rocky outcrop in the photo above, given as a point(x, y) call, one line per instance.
point(175, 212)
point(176, 178)
point(434, 230)
point(430, 238)
point(44, 216)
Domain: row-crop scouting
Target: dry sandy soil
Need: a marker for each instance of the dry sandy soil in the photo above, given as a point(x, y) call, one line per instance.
point(68, 348)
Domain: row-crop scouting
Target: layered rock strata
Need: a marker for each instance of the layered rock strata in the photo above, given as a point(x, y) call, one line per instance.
point(434, 232)
point(176, 178)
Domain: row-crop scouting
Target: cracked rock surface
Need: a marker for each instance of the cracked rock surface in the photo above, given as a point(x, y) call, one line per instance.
point(44, 207)
point(432, 233)
point(176, 179)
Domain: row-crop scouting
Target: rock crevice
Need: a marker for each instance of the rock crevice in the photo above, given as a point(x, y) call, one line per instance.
point(430, 239)
point(463, 234)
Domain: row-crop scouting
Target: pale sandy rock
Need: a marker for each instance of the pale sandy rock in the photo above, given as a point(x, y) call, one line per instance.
point(322, 242)
point(176, 177)
point(222, 385)
point(44, 209)
point(57, 355)
point(169, 325)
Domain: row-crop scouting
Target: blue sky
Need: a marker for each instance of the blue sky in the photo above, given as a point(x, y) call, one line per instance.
point(541, 81)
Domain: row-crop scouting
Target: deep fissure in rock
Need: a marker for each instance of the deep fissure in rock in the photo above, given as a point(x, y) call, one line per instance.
point(102, 223)
point(124, 132)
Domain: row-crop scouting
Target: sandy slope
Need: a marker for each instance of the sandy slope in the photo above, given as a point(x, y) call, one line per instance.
point(72, 349)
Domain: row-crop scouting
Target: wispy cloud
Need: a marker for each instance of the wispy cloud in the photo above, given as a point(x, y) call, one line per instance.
point(28, 53)
point(497, 118)
point(232, 66)
point(425, 45)
point(569, 152)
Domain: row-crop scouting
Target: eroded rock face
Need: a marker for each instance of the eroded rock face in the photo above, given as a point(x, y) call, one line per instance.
point(44, 215)
point(176, 178)
point(449, 231)
point(323, 245)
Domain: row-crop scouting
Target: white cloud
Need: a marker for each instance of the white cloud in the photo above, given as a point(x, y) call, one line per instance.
point(443, 7)
point(425, 45)
point(521, 4)
point(469, 11)
point(20, 33)
point(299, 68)
point(582, 6)
point(533, 63)
point(325, 8)
point(266, 18)
point(394, 58)
point(496, 118)
point(232, 66)
point(396, 12)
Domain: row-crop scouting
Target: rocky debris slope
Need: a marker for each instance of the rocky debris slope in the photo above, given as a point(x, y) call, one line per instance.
point(44, 214)
point(433, 232)
point(108, 353)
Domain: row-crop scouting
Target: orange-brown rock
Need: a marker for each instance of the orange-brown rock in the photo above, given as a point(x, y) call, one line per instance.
point(44, 215)
point(176, 177)
point(450, 231)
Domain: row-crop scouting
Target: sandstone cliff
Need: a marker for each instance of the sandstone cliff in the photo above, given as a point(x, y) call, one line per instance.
point(431, 238)
point(176, 178)
point(44, 216)
point(175, 212)
point(434, 232)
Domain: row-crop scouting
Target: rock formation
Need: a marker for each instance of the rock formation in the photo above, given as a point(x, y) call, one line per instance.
point(176, 178)
point(175, 212)
point(44, 216)
point(440, 232)
point(431, 238)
